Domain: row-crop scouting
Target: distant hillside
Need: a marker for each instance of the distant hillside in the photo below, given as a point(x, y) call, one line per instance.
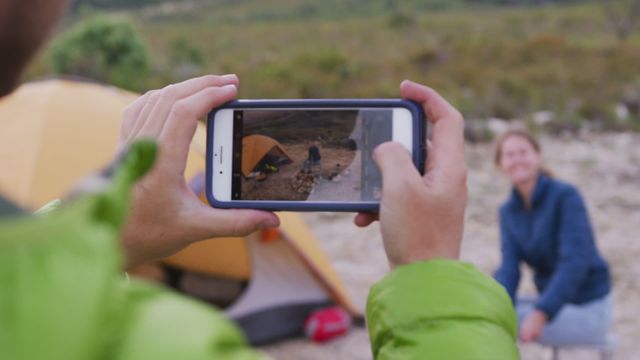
point(509, 62)
point(278, 9)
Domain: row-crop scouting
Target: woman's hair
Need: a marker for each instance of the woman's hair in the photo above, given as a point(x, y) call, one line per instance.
point(524, 134)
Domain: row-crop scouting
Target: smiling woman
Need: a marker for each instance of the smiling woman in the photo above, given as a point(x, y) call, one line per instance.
point(545, 224)
point(513, 149)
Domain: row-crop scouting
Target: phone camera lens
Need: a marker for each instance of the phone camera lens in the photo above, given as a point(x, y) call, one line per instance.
point(220, 171)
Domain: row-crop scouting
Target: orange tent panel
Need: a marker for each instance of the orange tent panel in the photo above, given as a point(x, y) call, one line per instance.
point(225, 257)
point(255, 147)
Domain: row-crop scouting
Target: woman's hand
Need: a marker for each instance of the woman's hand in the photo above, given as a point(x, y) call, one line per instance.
point(532, 326)
point(165, 215)
point(421, 217)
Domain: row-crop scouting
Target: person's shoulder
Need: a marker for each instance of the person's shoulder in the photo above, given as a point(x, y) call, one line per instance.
point(566, 192)
point(563, 188)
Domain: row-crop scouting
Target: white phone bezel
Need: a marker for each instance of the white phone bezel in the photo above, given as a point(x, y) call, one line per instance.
point(222, 159)
point(403, 128)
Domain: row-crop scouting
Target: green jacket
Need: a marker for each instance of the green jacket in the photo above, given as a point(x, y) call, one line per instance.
point(63, 296)
point(441, 309)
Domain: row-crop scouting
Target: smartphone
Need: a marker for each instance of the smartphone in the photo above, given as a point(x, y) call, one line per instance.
point(306, 155)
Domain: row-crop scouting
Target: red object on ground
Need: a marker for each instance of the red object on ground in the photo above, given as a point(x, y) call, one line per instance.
point(325, 324)
point(269, 235)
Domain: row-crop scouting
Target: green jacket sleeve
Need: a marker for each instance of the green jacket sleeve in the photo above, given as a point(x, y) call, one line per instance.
point(63, 294)
point(441, 309)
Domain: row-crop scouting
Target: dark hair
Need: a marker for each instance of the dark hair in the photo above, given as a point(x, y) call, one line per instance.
point(524, 134)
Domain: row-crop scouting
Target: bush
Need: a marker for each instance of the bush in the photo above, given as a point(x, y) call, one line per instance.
point(398, 20)
point(426, 58)
point(186, 61)
point(542, 47)
point(325, 60)
point(321, 73)
point(184, 53)
point(103, 49)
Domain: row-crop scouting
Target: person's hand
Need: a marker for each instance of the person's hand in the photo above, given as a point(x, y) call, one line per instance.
point(532, 326)
point(165, 215)
point(421, 217)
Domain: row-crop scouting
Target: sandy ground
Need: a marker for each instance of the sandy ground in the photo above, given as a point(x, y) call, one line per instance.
point(606, 168)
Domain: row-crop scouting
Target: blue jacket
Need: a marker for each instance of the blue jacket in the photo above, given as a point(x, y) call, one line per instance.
point(556, 240)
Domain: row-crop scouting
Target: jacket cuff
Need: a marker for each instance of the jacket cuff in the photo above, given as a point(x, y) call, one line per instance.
point(550, 308)
point(415, 297)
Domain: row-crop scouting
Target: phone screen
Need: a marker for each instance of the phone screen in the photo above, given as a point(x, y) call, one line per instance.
point(308, 155)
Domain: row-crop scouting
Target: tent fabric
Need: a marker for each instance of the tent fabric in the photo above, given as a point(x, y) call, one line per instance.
point(280, 295)
point(229, 257)
point(299, 237)
point(255, 147)
point(289, 277)
point(223, 257)
point(281, 279)
point(54, 132)
point(60, 127)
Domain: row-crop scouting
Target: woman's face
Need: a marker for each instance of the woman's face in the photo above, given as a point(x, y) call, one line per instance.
point(519, 160)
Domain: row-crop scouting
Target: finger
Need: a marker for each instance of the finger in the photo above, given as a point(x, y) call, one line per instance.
point(172, 93)
point(434, 105)
point(396, 167)
point(364, 219)
point(181, 125)
point(131, 113)
point(217, 222)
point(447, 150)
point(427, 164)
point(153, 97)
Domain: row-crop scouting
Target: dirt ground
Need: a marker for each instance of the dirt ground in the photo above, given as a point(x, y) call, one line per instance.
point(278, 185)
point(606, 168)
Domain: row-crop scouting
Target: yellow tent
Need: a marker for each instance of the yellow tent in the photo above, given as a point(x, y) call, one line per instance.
point(254, 149)
point(54, 132)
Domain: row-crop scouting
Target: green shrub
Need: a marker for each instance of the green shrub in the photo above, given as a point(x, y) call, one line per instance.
point(399, 20)
point(324, 60)
point(103, 49)
point(426, 58)
point(183, 52)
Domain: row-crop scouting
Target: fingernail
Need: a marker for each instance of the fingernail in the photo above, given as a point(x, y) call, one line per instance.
point(229, 88)
point(270, 223)
point(230, 77)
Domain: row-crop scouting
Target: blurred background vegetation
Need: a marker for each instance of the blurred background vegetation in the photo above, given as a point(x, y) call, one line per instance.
point(565, 65)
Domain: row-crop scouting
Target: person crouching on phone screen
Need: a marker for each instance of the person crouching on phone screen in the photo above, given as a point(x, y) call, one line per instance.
point(544, 223)
point(313, 156)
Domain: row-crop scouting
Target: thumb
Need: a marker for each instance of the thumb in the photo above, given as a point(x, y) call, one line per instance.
point(234, 222)
point(395, 164)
